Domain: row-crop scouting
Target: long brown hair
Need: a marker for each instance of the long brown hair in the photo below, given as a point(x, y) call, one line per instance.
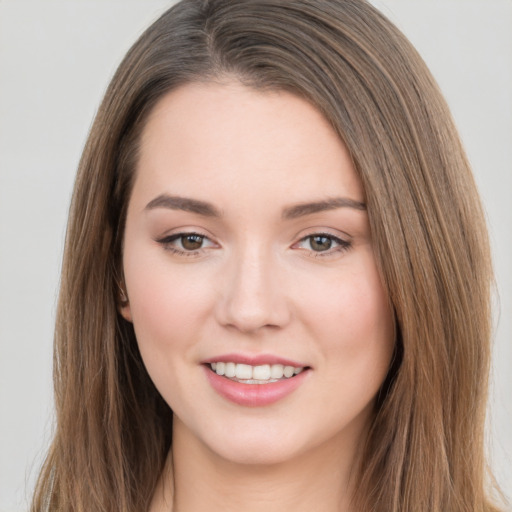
point(424, 451)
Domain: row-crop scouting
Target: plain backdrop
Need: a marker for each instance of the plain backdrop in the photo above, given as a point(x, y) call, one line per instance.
point(56, 58)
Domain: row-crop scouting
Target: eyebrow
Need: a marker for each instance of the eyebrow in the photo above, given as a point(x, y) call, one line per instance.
point(303, 209)
point(183, 203)
point(291, 212)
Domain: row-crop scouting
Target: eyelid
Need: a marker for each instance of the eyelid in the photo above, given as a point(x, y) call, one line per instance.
point(167, 241)
point(342, 244)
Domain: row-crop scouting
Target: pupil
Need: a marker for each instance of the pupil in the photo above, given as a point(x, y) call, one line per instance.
point(191, 242)
point(321, 243)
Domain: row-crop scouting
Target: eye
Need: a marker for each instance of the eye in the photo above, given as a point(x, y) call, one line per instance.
point(323, 244)
point(191, 242)
point(185, 243)
point(320, 243)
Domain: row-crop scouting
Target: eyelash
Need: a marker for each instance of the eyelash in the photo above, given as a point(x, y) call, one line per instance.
point(341, 245)
point(167, 242)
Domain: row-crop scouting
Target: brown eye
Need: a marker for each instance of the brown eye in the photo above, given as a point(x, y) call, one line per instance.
point(323, 244)
point(186, 244)
point(320, 243)
point(191, 242)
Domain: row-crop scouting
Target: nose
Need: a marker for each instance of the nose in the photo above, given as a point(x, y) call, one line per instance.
point(253, 297)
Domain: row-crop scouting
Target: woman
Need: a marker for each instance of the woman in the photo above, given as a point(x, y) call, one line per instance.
point(275, 290)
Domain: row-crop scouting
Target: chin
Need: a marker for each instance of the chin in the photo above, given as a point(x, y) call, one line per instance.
point(257, 454)
point(262, 446)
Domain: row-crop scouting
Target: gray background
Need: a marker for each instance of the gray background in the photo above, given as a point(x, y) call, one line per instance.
point(56, 58)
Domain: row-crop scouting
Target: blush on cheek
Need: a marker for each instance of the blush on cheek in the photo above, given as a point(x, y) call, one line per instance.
point(167, 305)
point(355, 317)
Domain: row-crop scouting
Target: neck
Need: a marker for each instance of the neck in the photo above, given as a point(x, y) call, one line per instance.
point(196, 479)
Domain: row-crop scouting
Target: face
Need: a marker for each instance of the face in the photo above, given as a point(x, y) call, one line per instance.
point(250, 274)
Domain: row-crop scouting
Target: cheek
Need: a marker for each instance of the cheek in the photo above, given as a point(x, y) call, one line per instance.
point(352, 319)
point(167, 306)
point(169, 311)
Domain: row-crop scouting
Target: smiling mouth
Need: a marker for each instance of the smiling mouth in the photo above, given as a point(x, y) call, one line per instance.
point(261, 374)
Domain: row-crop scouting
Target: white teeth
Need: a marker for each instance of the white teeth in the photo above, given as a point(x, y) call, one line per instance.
point(230, 370)
point(220, 369)
point(261, 372)
point(243, 371)
point(254, 374)
point(277, 371)
point(288, 371)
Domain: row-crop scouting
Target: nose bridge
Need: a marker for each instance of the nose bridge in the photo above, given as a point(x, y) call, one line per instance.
point(252, 296)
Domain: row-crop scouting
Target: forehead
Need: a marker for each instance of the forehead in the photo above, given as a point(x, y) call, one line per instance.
point(222, 139)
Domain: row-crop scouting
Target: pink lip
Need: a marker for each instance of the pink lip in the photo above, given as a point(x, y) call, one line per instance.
point(254, 360)
point(254, 395)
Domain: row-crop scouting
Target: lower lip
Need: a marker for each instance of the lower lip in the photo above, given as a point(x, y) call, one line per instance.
point(254, 395)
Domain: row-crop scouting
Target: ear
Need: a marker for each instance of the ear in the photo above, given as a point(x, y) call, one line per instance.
point(126, 312)
point(124, 304)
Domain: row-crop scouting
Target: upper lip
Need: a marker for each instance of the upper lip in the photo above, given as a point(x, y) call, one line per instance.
point(254, 360)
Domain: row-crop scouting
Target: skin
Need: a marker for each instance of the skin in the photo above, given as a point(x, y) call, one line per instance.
point(257, 285)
